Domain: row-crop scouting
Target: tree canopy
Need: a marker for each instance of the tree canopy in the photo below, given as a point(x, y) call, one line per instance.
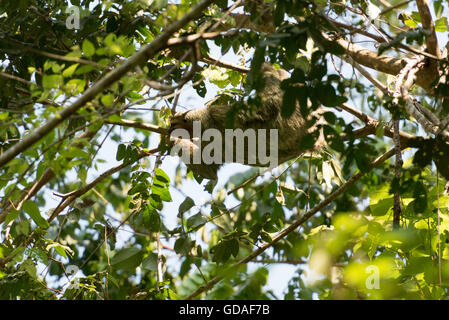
point(87, 91)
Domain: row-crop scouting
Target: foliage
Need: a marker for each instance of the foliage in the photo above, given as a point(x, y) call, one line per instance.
point(77, 225)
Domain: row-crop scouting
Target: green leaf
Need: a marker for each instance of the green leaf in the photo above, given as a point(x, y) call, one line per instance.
point(159, 4)
point(127, 259)
point(222, 252)
point(150, 262)
point(23, 227)
point(68, 72)
point(31, 208)
point(84, 69)
point(88, 48)
point(381, 201)
point(182, 246)
point(52, 81)
point(278, 214)
point(327, 95)
point(185, 267)
point(74, 152)
point(161, 175)
point(258, 58)
point(151, 219)
point(12, 215)
point(209, 187)
point(302, 63)
point(185, 206)
point(155, 201)
point(121, 152)
point(279, 12)
point(441, 25)
point(107, 100)
point(4, 115)
point(288, 102)
point(195, 221)
point(233, 246)
point(410, 23)
point(163, 193)
point(307, 142)
point(134, 96)
point(60, 249)
point(76, 85)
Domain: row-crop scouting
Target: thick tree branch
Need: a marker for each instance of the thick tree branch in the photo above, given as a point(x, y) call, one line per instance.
point(431, 40)
point(427, 23)
point(371, 126)
point(363, 56)
point(138, 58)
point(377, 38)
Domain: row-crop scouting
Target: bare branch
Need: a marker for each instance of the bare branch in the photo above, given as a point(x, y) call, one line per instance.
point(139, 125)
point(371, 126)
point(392, 7)
point(227, 65)
point(11, 77)
point(427, 22)
point(24, 47)
point(367, 75)
point(198, 36)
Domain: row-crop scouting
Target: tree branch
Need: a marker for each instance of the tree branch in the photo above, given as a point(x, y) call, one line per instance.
point(46, 177)
point(293, 226)
point(363, 56)
point(71, 196)
point(371, 126)
point(138, 58)
point(11, 77)
point(227, 65)
point(139, 125)
point(392, 7)
point(427, 23)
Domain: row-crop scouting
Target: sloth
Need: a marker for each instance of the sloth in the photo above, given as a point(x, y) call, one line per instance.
point(267, 116)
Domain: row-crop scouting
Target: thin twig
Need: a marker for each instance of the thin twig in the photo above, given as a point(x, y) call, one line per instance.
point(292, 227)
point(138, 58)
point(389, 8)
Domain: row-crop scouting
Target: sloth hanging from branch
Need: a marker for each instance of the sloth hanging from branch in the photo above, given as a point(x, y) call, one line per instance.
point(261, 128)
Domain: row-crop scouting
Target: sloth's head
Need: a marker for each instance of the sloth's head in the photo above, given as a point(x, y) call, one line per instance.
point(181, 120)
point(269, 71)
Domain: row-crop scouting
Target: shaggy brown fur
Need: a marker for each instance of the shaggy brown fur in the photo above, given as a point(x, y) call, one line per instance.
point(267, 116)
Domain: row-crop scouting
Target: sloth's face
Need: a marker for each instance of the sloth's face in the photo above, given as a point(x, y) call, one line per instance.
point(180, 121)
